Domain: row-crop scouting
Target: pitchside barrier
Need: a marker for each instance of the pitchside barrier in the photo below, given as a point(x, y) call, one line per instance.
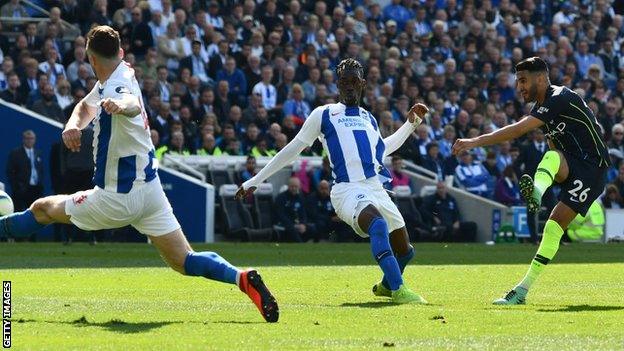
point(192, 200)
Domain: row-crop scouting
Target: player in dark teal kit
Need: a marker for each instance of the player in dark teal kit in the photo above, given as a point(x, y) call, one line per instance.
point(578, 159)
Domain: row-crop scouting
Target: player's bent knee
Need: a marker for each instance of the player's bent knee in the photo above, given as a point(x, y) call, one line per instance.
point(40, 209)
point(378, 227)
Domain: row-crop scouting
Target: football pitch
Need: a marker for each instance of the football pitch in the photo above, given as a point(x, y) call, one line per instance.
point(122, 297)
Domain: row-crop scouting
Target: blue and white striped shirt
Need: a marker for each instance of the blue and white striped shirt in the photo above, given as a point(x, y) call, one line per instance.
point(122, 147)
point(351, 138)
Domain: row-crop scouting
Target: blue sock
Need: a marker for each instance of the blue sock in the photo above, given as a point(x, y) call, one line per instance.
point(380, 246)
point(210, 265)
point(403, 261)
point(19, 224)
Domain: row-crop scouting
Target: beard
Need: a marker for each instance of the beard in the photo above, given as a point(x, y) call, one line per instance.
point(532, 93)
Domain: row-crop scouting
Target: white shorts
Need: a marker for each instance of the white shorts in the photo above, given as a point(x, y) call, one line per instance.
point(145, 207)
point(345, 198)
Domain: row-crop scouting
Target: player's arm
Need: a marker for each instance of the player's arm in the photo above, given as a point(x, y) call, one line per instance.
point(123, 103)
point(414, 118)
point(83, 113)
point(310, 130)
point(506, 133)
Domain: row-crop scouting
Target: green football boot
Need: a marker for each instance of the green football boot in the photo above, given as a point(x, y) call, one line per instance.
point(405, 295)
point(380, 290)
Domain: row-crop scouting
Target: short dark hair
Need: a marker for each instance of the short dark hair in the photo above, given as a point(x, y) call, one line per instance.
point(103, 41)
point(396, 158)
point(349, 64)
point(532, 64)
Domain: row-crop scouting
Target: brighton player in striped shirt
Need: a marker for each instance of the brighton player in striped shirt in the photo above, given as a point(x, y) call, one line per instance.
point(127, 191)
point(350, 135)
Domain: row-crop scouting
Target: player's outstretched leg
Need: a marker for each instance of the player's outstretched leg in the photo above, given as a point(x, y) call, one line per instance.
point(553, 231)
point(177, 252)
point(382, 252)
point(532, 189)
point(42, 212)
point(403, 251)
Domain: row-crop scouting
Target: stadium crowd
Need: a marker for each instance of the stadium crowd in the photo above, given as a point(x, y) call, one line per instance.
point(240, 77)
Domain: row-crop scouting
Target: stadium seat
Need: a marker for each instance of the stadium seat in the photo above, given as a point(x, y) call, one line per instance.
point(263, 208)
point(238, 224)
point(218, 174)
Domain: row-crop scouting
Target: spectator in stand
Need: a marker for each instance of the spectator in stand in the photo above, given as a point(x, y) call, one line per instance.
point(612, 197)
point(324, 217)
point(209, 146)
point(13, 93)
point(398, 176)
point(262, 149)
point(237, 83)
point(265, 89)
point(249, 171)
point(48, 105)
point(176, 146)
point(472, 175)
point(507, 191)
point(25, 172)
point(433, 161)
point(619, 181)
point(291, 213)
point(617, 138)
point(296, 107)
point(63, 94)
point(445, 214)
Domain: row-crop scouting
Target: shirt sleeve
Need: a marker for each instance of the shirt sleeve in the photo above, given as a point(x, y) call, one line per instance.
point(311, 128)
point(93, 98)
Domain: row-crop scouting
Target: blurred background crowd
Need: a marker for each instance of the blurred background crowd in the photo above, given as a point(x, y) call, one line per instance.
point(240, 77)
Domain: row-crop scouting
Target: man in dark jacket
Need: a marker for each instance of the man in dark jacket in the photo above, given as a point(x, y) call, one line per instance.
point(25, 172)
point(324, 216)
point(291, 213)
point(443, 210)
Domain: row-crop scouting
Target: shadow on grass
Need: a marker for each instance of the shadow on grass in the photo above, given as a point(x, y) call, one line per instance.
point(583, 308)
point(114, 325)
point(235, 322)
point(369, 304)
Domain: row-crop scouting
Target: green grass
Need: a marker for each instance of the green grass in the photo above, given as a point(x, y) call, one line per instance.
point(122, 297)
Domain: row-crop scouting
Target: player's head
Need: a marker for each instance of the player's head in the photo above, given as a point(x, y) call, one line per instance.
point(532, 78)
point(103, 47)
point(351, 82)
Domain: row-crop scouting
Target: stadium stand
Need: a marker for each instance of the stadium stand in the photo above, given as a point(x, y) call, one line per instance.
point(238, 78)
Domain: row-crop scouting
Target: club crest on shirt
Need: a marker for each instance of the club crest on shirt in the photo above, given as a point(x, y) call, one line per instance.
point(122, 90)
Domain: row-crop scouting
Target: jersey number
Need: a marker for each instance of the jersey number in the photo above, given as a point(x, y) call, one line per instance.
point(574, 192)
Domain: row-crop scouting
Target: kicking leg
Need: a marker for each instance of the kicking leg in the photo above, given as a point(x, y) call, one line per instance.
point(403, 251)
point(560, 218)
point(377, 229)
point(552, 168)
point(42, 212)
point(177, 252)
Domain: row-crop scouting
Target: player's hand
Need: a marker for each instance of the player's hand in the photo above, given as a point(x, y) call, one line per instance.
point(461, 145)
point(242, 193)
point(112, 106)
point(71, 138)
point(417, 113)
